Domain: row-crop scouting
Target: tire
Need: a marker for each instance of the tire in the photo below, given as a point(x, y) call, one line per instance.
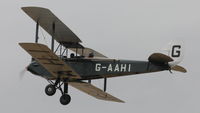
point(50, 90)
point(65, 99)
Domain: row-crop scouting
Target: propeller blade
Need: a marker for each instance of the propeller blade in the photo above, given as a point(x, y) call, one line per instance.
point(22, 73)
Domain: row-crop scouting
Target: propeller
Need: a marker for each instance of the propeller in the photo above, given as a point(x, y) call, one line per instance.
point(22, 73)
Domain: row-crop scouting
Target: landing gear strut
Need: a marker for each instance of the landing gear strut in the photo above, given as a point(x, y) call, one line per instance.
point(50, 90)
point(65, 98)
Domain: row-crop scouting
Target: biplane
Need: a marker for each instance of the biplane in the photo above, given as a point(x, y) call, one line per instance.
point(62, 68)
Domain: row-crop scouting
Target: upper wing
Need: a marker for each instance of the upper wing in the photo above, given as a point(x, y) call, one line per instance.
point(94, 91)
point(48, 21)
point(50, 61)
point(87, 51)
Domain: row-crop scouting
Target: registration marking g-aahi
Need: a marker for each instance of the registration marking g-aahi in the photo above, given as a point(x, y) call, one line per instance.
point(113, 67)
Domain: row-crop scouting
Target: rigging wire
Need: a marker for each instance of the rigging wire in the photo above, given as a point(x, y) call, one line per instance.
point(44, 38)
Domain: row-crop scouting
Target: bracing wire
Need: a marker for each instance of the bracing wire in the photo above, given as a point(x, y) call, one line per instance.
point(44, 38)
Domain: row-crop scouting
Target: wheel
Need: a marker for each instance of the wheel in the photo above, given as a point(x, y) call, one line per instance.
point(65, 99)
point(50, 90)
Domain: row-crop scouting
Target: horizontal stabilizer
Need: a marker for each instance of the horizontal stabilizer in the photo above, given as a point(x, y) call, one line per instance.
point(179, 68)
point(159, 58)
point(94, 91)
point(50, 61)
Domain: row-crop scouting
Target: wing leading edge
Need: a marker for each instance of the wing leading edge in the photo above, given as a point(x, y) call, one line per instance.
point(54, 26)
point(51, 62)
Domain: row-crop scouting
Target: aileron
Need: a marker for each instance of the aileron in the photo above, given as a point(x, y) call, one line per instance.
point(94, 91)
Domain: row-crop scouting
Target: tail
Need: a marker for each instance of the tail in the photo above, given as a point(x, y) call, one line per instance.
point(175, 53)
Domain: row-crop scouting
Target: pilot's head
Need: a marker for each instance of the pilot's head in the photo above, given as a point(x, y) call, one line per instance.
point(72, 55)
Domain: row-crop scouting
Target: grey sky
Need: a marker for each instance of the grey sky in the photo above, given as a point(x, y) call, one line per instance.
point(128, 29)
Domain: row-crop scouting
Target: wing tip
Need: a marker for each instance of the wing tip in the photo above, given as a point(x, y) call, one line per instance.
point(121, 101)
point(117, 100)
point(21, 44)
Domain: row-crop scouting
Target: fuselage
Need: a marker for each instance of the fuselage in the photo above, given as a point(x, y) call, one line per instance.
point(100, 68)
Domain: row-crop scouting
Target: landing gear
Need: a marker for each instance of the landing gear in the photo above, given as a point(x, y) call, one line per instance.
point(65, 99)
point(50, 90)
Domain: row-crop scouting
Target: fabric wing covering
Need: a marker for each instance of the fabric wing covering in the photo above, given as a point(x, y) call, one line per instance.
point(54, 26)
point(94, 91)
point(51, 62)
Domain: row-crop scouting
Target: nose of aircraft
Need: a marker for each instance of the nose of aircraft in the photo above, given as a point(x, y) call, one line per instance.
point(29, 68)
point(32, 68)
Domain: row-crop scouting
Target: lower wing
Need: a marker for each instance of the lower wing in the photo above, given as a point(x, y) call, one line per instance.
point(94, 91)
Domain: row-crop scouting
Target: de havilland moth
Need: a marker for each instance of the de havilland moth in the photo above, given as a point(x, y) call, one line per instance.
point(84, 64)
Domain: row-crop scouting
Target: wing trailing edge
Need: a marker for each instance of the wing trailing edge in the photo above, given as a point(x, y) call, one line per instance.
point(94, 91)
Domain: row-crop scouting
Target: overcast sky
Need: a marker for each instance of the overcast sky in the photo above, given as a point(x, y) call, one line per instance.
point(126, 29)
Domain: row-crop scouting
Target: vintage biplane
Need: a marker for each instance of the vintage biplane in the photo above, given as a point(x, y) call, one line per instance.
point(84, 64)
